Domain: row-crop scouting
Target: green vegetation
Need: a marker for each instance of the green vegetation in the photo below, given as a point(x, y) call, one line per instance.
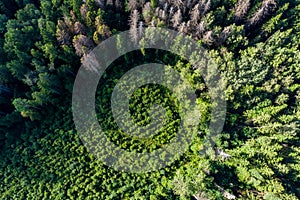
point(256, 47)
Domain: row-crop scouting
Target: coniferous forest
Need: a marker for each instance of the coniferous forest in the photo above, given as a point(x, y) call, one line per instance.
point(256, 47)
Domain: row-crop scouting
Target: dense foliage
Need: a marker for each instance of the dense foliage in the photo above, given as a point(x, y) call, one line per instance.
point(256, 47)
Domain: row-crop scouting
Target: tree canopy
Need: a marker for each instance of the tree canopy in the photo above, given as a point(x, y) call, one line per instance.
point(255, 45)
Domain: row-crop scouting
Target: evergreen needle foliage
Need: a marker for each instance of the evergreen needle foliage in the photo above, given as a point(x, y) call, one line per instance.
point(255, 44)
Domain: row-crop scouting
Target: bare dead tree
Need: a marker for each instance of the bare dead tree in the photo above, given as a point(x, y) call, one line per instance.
point(62, 34)
point(241, 9)
point(166, 7)
point(182, 28)
point(164, 15)
point(267, 7)
point(73, 16)
point(195, 14)
point(153, 23)
point(132, 5)
point(161, 14)
point(177, 19)
point(178, 3)
point(68, 23)
point(147, 12)
point(207, 7)
point(199, 10)
point(79, 28)
point(200, 30)
point(171, 11)
point(141, 29)
point(189, 4)
point(104, 31)
point(203, 7)
point(134, 17)
point(226, 194)
point(64, 31)
point(157, 10)
point(82, 44)
point(90, 62)
point(110, 2)
point(221, 153)
point(133, 31)
point(200, 196)
point(208, 38)
point(83, 11)
point(224, 35)
point(141, 3)
point(170, 15)
point(189, 27)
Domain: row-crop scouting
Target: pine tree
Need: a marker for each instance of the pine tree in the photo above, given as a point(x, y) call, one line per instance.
point(82, 44)
point(195, 14)
point(64, 31)
point(200, 29)
point(241, 9)
point(134, 18)
point(132, 5)
point(177, 19)
point(147, 12)
point(267, 7)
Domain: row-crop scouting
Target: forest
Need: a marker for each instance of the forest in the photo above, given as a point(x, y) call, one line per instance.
point(255, 45)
